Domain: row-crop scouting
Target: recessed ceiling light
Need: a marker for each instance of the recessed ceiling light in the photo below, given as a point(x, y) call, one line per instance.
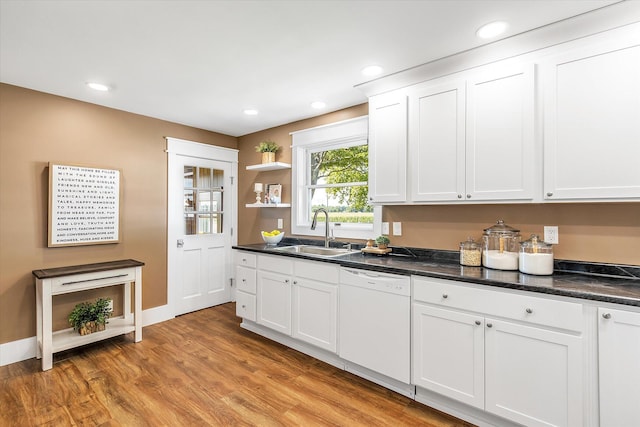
point(98, 86)
point(318, 105)
point(492, 29)
point(251, 112)
point(372, 70)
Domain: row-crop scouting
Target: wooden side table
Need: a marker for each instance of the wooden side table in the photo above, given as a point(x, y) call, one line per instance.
point(63, 280)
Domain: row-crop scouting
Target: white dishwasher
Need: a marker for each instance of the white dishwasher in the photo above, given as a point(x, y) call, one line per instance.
point(375, 315)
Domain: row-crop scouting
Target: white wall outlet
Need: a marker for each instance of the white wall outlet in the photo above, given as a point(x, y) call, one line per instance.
point(385, 228)
point(280, 223)
point(551, 234)
point(397, 229)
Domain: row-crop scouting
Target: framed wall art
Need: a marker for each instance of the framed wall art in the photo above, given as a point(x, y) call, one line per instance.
point(84, 205)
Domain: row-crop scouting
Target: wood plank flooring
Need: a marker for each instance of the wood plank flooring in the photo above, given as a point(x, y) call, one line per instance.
point(200, 369)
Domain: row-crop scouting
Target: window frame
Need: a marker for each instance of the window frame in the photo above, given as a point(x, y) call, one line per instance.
point(343, 134)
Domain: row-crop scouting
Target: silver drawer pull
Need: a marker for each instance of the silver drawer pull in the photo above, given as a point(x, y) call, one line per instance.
point(489, 325)
point(606, 315)
point(528, 310)
point(445, 296)
point(93, 280)
point(478, 322)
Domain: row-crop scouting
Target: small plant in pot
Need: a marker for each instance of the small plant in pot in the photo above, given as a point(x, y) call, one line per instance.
point(87, 317)
point(268, 149)
point(382, 242)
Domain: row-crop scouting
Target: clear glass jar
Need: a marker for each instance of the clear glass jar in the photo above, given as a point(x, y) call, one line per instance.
point(536, 256)
point(470, 253)
point(500, 246)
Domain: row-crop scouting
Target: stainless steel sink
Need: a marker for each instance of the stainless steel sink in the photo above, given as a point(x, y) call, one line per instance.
point(313, 250)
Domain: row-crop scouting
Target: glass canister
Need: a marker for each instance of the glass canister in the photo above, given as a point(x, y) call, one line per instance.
point(536, 256)
point(470, 253)
point(500, 245)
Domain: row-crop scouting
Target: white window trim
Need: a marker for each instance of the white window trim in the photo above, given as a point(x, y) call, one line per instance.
point(352, 130)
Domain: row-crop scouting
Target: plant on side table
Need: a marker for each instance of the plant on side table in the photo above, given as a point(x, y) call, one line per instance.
point(268, 149)
point(87, 317)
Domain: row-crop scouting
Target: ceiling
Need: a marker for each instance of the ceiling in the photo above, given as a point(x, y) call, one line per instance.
point(201, 63)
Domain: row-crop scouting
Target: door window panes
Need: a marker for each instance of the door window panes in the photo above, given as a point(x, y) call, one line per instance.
point(203, 201)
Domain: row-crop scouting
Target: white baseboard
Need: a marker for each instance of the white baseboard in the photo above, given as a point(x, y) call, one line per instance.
point(17, 351)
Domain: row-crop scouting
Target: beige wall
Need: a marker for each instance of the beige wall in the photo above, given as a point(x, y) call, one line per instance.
point(36, 128)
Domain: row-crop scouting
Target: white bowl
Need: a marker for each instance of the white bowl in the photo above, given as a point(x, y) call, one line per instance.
point(272, 240)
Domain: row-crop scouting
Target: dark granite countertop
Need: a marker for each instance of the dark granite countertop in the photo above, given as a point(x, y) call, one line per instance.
point(613, 283)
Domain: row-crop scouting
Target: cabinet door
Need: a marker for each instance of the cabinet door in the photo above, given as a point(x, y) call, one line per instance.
point(388, 147)
point(533, 376)
point(246, 306)
point(592, 122)
point(500, 152)
point(448, 353)
point(619, 370)
point(274, 301)
point(315, 313)
point(437, 141)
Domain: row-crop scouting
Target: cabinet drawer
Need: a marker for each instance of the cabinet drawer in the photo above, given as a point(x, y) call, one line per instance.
point(246, 279)
point(277, 264)
point(246, 306)
point(78, 282)
point(320, 271)
point(246, 259)
point(542, 311)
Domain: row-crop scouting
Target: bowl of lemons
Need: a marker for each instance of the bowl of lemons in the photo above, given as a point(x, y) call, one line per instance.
point(272, 237)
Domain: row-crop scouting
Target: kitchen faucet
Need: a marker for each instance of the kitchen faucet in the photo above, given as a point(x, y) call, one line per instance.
point(326, 224)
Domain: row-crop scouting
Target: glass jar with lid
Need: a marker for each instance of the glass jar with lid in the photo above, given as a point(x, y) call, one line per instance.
point(470, 253)
point(536, 256)
point(500, 245)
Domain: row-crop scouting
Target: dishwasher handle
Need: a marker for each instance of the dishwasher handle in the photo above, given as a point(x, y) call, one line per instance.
point(355, 277)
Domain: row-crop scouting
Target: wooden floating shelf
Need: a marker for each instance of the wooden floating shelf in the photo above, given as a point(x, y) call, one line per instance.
point(268, 205)
point(269, 166)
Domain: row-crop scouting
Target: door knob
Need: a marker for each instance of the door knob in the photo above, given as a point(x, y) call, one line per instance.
point(180, 243)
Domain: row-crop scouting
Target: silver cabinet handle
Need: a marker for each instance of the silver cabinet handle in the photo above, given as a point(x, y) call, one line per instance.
point(528, 310)
point(244, 280)
point(286, 280)
point(468, 196)
point(295, 282)
point(244, 306)
point(489, 325)
point(606, 315)
point(549, 194)
point(445, 296)
point(478, 322)
point(459, 196)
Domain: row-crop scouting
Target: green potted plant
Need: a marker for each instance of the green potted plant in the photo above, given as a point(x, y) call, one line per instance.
point(382, 242)
point(268, 149)
point(87, 317)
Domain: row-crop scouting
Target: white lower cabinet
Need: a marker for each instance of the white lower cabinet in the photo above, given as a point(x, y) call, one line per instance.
point(299, 298)
point(619, 367)
point(500, 352)
point(315, 304)
point(246, 285)
point(533, 375)
point(448, 353)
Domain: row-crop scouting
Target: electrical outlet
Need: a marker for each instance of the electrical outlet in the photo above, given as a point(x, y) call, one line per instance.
point(397, 229)
point(551, 234)
point(385, 228)
point(280, 224)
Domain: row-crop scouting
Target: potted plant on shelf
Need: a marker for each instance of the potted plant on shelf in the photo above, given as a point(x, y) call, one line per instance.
point(268, 149)
point(87, 317)
point(382, 242)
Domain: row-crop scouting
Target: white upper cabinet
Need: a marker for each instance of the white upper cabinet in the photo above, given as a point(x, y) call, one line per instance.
point(592, 120)
point(437, 141)
point(388, 147)
point(500, 154)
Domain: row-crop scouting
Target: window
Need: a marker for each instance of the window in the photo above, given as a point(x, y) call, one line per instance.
point(330, 171)
point(203, 189)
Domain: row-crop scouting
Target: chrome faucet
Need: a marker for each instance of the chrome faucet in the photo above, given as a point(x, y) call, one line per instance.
point(326, 224)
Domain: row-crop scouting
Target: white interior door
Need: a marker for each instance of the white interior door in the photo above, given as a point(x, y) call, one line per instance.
point(202, 215)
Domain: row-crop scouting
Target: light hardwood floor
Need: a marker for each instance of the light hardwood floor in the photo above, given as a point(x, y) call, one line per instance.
point(200, 369)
